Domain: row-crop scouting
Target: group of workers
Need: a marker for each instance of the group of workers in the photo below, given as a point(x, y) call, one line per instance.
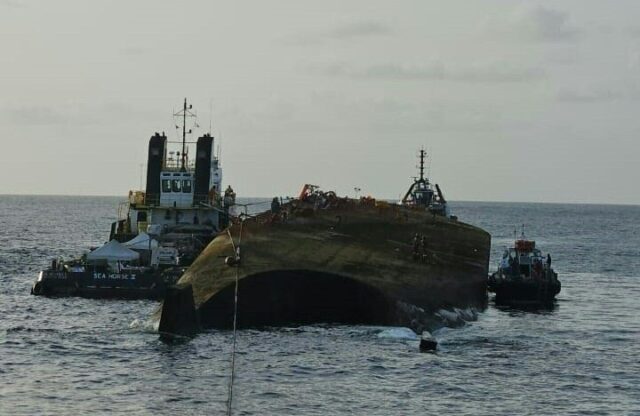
point(420, 248)
point(511, 265)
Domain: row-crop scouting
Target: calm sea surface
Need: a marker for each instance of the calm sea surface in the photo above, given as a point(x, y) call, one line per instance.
point(78, 356)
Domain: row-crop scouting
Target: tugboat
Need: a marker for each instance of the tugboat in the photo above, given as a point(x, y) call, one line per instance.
point(422, 194)
point(158, 232)
point(524, 276)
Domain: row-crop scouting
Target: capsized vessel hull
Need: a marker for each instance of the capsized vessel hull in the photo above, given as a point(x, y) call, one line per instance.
point(340, 261)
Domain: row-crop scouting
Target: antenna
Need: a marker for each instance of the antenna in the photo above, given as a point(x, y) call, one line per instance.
point(422, 156)
point(210, 114)
point(184, 131)
point(184, 114)
point(141, 171)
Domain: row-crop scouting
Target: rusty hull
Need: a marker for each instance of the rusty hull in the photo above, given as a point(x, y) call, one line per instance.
point(353, 263)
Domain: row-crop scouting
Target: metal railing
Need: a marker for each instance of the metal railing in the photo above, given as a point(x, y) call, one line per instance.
point(152, 199)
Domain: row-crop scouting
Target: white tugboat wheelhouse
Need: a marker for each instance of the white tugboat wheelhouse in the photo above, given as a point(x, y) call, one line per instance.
point(183, 193)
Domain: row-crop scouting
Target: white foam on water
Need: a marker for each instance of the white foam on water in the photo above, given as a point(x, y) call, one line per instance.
point(398, 333)
point(442, 331)
point(457, 316)
point(468, 314)
point(145, 325)
point(447, 316)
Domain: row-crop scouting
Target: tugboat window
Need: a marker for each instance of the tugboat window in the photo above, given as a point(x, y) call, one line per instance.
point(166, 185)
point(175, 185)
point(186, 186)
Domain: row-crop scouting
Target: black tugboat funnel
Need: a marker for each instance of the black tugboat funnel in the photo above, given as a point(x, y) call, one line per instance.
point(204, 151)
point(155, 161)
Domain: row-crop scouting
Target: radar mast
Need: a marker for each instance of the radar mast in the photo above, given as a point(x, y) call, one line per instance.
point(423, 154)
point(184, 113)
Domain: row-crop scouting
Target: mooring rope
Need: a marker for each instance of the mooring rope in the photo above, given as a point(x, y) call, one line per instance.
point(236, 251)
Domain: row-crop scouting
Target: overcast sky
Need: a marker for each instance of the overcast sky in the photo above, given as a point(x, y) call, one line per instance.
point(516, 101)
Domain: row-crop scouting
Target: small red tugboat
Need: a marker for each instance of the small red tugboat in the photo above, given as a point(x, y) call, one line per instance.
point(524, 276)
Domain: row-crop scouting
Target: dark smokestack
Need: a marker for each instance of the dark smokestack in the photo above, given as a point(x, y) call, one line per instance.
point(204, 151)
point(155, 161)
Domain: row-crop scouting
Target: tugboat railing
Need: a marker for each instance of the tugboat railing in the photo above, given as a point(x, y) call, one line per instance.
point(152, 199)
point(200, 198)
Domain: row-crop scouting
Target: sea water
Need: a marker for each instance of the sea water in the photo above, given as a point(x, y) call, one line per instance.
point(81, 356)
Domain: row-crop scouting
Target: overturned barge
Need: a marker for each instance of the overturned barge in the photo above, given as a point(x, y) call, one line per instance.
point(320, 258)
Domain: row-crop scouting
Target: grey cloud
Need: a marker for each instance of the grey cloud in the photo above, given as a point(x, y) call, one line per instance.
point(537, 24)
point(394, 71)
point(34, 116)
point(497, 73)
point(548, 24)
point(597, 95)
point(343, 31)
point(633, 58)
point(133, 51)
point(564, 56)
point(633, 31)
point(396, 115)
point(76, 113)
point(14, 4)
point(479, 73)
point(359, 29)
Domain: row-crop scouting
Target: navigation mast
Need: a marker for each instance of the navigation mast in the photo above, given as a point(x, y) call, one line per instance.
point(184, 114)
